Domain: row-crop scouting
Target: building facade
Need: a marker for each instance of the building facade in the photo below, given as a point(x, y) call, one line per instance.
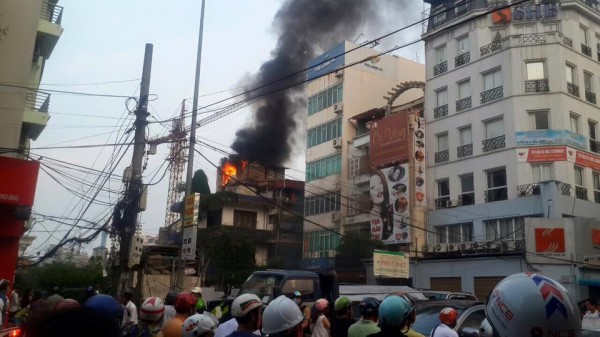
point(513, 157)
point(343, 83)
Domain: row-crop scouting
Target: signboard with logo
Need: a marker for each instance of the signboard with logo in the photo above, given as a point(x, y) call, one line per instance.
point(587, 160)
point(390, 197)
point(389, 141)
point(192, 204)
point(542, 154)
point(391, 264)
point(327, 62)
point(18, 179)
point(188, 248)
point(419, 145)
point(551, 240)
point(368, 59)
point(526, 12)
point(549, 137)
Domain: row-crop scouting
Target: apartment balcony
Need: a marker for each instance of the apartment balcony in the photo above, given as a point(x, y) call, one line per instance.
point(461, 59)
point(442, 156)
point(492, 94)
point(581, 193)
point(527, 190)
point(597, 197)
point(594, 146)
point(567, 41)
point(494, 143)
point(590, 96)
point(49, 29)
point(440, 68)
point(586, 50)
point(537, 86)
point(496, 194)
point(36, 113)
point(573, 89)
point(440, 111)
point(466, 199)
point(442, 202)
point(490, 48)
point(463, 103)
point(464, 150)
point(533, 38)
point(564, 188)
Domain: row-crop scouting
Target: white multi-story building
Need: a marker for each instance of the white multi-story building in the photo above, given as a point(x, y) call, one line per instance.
point(334, 97)
point(513, 157)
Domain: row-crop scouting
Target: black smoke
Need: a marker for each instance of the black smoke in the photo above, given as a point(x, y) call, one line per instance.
point(305, 29)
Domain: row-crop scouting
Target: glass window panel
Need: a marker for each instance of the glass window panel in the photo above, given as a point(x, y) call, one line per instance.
point(596, 180)
point(578, 176)
point(442, 97)
point(464, 89)
point(584, 35)
point(592, 126)
point(496, 178)
point(574, 123)
point(535, 71)
point(443, 188)
point(466, 183)
point(491, 229)
point(541, 120)
point(340, 93)
point(494, 128)
point(570, 72)
point(492, 80)
point(588, 80)
point(442, 142)
point(440, 54)
point(440, 232)
point(463, 45)
point(465, 136)
point(529, 29)
point(551, 27)
point(335, 95)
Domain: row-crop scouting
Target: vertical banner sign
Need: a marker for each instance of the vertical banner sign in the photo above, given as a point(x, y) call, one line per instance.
point(391, 264)
point(389, 140)
point(390, 197)
point(419, 151)
point(192, 203)
point(188, 248)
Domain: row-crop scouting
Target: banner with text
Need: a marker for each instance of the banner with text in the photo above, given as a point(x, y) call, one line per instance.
point(391, 264)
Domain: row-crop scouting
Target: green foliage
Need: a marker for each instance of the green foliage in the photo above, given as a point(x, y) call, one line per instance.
point(358, 245)
point(65, 275)
point(215, 201)
point(231, 251)
point(200, 183)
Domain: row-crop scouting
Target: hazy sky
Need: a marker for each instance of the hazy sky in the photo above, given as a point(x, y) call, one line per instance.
point(101, 51)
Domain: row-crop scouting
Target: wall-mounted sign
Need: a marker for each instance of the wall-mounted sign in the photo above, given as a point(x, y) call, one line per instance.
point(419, 145)
point(391, 264)
point(19, 178)
point(596, 238)
point(588, 160)
point(550, 241)
point(389, 141)
point(526, 12)
point(549, 137)
point(188, 247)
point(326, 62)
point(192, 204)
point(542, 154)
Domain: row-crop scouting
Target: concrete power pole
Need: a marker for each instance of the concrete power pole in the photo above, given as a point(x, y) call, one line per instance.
point(134, 187)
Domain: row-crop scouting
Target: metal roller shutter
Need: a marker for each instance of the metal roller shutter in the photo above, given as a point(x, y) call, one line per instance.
point(445, 283)
point(484, 286)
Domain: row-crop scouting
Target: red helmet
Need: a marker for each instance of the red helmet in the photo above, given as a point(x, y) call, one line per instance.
point(448, 316)
point(67, 303)
point(321, 304)
point(184, 302)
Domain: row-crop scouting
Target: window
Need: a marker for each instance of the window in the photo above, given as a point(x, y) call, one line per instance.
point(455, 233)
point(596, 180)
point(505, 229)
point(588, 80)
point(536, 70)
point(583, 35)
point(593, 128)
point(441, 97)
point(442, 142)
point(579, 181)
point(570, 72)
point(322, 203)
point(492, 80)
point(324, 167)
point(496, 178)
point(539, 120)
point(529, 29)
point(498, 34)
point(325, 99)
point(462, 44)
point(461, 8)
point(541, 172)
point(464, 89)
point(324, 132)
point(552, 27)
point(320, 243)
point(574, 121)
point(494, 128)
point(440, 54)
point(465, 136)
point(439, 15)
point(244, 219)
point(466, 183)
point(353, 167)
point(443, 188)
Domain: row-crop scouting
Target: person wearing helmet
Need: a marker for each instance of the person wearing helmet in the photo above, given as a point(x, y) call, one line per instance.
point(282, 318)
point(448, 317)
point(151, 314)
point(297, 297)
point(367, 325)
point(394, 311)
point(130, 310)
point(408, 330)
point(530, 304)
point(66, 304)
point(169, 306)
point(343, 317)
point(200, 325)
point(247, 311)
point(319, 322)
point(107, 306)
point(200, 306)
point(185, 306)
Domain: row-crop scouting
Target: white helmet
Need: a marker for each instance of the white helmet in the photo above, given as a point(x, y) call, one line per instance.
point(245, 303)
point(280, 315)
point(199, 324)
point(485, 330)
point(530, 304)
point(152, 309)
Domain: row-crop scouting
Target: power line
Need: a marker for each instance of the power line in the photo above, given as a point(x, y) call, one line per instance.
point(64, 91)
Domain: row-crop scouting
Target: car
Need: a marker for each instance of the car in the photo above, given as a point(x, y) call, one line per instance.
point(447, 295)
point(470, 315)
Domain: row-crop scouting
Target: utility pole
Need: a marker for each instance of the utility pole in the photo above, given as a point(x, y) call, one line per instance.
point(190, 164)
point(131, 205)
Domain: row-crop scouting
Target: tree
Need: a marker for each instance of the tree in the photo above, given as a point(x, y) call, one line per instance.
point(200, 183)
point(356, 246)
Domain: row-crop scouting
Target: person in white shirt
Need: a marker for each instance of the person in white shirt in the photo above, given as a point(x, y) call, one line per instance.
point(130, 316)
point(448, 318)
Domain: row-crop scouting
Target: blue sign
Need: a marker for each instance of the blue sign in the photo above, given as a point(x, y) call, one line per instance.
point(550, 137)
point(327, 62)
point(321, 263)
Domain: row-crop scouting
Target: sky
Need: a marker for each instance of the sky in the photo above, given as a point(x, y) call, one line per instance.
point(101, 51)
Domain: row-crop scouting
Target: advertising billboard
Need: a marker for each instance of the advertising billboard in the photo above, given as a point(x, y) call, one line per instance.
point(550, 137)
point(419, 153)
point(390, 199)
point(391, 264)
point(551, 240)
point(326, 63)
point(18, 179)
point(389, 141)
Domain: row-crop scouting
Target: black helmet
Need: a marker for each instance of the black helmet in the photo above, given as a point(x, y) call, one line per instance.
point(369, 306)
point(170, 298)
point(127, 293)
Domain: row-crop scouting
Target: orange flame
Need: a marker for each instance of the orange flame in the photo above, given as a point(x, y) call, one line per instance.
point(229, 170)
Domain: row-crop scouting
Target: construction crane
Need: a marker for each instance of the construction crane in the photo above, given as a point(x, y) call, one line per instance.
point(178, 142)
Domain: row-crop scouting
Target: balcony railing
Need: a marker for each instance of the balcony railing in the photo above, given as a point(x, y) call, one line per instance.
point(461, 59)
point(51, 12)
point(496, 194)
point(494, 143)
point(581, 193)
point(593, 4)
point(586, 50)
point(597, 197)
point(529, 189)
point(490, 48)
point(466, 199)
point(463, 103)
point(442, 156)
point(464, 150)
point(440, 111)
point(594, 146)
point(590, 96)
point(442, 202)
point(37, 100)
point(537, 86)
point(598, 55)
point(565, 189)
point(568, 41)
point(534, 38)
point(573, 89)
point(492, 94)
point(440, 68)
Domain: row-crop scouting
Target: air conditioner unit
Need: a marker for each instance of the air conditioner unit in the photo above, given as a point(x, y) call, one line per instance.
point(492, 246)
point(338, 108)
point(509, 246)
point(520, 245)
point(449, 203)
point(428, 248)
point(335, 216)
point(466, 246)
point(441, 248)
point(339, 73)
point(476, 245)
point(337, 184)
point(337, 142)
point(453, 247)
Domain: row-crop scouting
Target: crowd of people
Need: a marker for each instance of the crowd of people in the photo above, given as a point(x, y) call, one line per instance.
point(524, 304)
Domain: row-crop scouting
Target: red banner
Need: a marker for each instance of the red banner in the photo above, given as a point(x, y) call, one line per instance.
point(549, 240)
point(596, 237)
point(18, 179)
point(546, 154)
point(389, 140)
point(588, 160)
